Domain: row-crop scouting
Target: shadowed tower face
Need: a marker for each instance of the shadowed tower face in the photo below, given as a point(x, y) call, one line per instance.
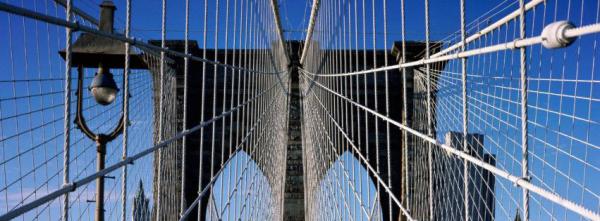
point(171, 188)
point(296, 174)
point(294, 207)
point(200, 152)
point(367, 132)
point(294, 181)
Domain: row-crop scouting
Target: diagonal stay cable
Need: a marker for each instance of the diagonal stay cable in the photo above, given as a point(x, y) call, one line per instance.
point(517, 180)
point(510, 45)
point(369, 166)
point(76, 26)
point(214, 178)
point(70, 187)
point(331, 143)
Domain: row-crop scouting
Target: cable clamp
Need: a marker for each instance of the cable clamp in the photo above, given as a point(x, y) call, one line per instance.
point(513, 45)
point(525, 178)
point(71, 186)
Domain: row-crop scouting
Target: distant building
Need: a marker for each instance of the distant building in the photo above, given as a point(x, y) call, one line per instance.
point(141, 205)
point(448, 170)
point(449, 184)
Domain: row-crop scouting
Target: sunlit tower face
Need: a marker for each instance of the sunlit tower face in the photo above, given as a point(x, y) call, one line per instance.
point(103, 87)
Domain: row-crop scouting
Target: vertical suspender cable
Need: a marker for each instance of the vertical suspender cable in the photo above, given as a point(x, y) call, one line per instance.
point(364, 51)
point(225, 70)
point(160, 108)
point(429, 120)
point(357, 82)
point(524, 130)
point(350, 108)
point(404, 108)
point(183, 203)
point(214, 97)
point(250, 92)
point(125, 111)
point(242, 29)
point(387, 107)
point(233, 77)
point(375, 89)
point(67, 113)
point(464, 110)
point(244, 90)
point(202, 107)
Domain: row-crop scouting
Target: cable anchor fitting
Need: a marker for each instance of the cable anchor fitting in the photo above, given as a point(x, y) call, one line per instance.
point(553, 35)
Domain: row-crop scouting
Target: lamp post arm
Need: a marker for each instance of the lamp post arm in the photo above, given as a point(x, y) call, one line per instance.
point(79, 119)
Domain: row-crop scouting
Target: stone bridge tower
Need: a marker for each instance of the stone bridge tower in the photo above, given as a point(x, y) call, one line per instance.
point(294, 193)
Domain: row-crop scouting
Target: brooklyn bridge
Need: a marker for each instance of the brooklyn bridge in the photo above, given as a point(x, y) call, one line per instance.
point(299, 110)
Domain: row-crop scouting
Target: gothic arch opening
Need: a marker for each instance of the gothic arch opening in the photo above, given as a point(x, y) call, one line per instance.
point(346, 190)
point(241, 192)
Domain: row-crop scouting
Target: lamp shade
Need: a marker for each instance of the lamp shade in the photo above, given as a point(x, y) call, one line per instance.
point(103, 87)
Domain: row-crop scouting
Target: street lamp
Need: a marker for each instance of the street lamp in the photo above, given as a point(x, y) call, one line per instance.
point(93, 51)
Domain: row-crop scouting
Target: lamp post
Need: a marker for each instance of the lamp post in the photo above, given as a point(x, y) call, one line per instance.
point(104, 91)
point(92, 51)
